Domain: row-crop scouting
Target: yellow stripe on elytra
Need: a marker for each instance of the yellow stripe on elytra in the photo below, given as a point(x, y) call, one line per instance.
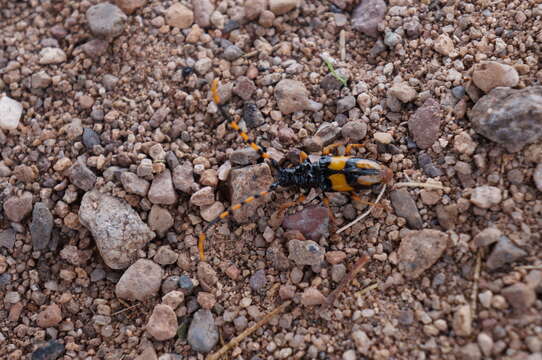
point(367, 164)
point(338, 162)
point(214, 91)
point(339, 183)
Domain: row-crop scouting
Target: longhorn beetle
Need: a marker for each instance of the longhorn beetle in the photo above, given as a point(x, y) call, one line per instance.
point(328, 173)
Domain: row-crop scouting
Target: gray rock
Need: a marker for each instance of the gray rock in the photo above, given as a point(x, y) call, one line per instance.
point(90, 138)
point(162, 324)
point(312, 222)
point(487, 237)
point(405, 206)
point(202, 12)
point(116, 227)
point(354, 130)
point(95, 48)
point(140, 281)
point(81, 176)
point(292, 96)
point(345, 104)
point(162, 191)
point(232, 53)
point(244, 88)
point(505, 252)
point(252, 116)
point(183, 178)
point(17, 208)
point(520, 296)
point(245, 182)
point(51, 351)
point(391, 39)
point(134, 184)
point(106, 20)
point(160, 220)
point(40, 80)
point(424, 124)
point(512, 118)
point(7, 238)
point(258, 280)
point(244, 156)
point(419, 250)
point(305, 252)
point(51, 55)
point(486, 196)
point(489, 75)
point(41, 226)
point(368, 15)
point(203, 332)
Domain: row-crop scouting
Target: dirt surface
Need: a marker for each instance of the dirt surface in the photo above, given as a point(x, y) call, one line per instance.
point(114, 157)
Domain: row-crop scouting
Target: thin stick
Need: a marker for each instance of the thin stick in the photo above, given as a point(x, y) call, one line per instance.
point(365, 214)
point(475, 285)
point(345, 281)
point(236, 340)
point(342, 44)
point(126, 309)
point(419, 184)
point(367, 289)
point(529, 267)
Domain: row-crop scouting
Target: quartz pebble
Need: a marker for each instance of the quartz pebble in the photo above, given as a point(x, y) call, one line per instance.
point(178, 15)
point(486, 196)
point(115, 226)
point(162, 324)
point(161, 190)
point(140, 281)
point(106, 20)
point(51, 55)
point(134, 184)
point(280, 7)
point(305, 252)
point(202, 12)
point(292, 96)
point(490, 74)
point(10, 113)
point(312, 297)
point(419, 250)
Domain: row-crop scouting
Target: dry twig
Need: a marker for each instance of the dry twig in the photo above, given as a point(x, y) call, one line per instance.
point(475, 285)
point(365, 214)
point(419, 184)
point(345, 281)
point(236, 340)
point(126, 309)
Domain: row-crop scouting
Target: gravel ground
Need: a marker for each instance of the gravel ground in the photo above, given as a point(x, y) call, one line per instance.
point(114, 157)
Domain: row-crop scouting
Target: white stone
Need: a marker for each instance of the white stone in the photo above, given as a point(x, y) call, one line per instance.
point(51, 55)
point(10, 113)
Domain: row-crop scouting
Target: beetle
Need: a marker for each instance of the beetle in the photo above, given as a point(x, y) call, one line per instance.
point(328, 173)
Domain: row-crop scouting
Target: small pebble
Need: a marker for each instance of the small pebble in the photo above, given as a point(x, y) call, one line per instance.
point(162, 323)
point(106, 20)
point(140, 281)
point(203, 332)
point(10, 113)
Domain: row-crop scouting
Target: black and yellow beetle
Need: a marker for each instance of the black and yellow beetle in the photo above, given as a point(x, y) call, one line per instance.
point(328, 173)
